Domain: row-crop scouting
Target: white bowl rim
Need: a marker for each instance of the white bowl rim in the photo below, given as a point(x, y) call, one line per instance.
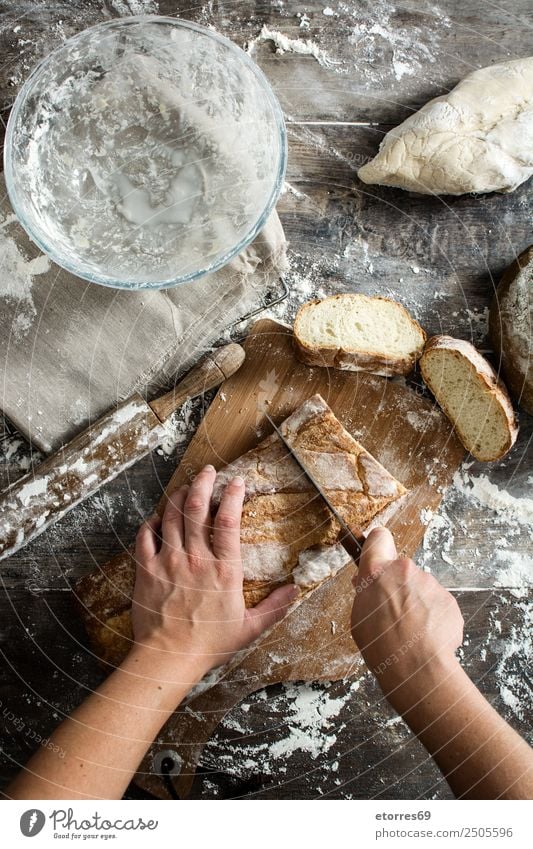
point(104, 279)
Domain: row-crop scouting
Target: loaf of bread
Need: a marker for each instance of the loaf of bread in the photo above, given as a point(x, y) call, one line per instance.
point(511, 328)
point(287, 533)
point(358, 333)
point(472, 396)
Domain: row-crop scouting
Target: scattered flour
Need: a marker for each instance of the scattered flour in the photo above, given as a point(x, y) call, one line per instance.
point(439, 536)
point(309, 718)
point(125, 8)
point(511, 671)
point(180, 426)
point(379, 30)
point(426, 516)
point(479, 324)
point(420, 420)
point(17, 275)
point(309, 722)
point(284, 44)
point(488, 494)
point(516, 572)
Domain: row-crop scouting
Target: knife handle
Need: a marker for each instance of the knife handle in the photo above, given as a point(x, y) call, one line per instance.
point(211, 372)
point(351, 545)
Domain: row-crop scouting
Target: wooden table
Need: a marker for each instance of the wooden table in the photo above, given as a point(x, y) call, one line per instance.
point(373, 64)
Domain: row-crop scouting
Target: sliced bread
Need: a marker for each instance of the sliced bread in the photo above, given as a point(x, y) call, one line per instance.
point(287, 533)
point(472, 396)
point(358, 333)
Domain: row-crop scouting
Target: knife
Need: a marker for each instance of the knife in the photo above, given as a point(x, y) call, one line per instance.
point(106, 448)
point(349, 541)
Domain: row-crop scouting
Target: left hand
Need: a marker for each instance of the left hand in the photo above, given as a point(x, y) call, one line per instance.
point(188, 600)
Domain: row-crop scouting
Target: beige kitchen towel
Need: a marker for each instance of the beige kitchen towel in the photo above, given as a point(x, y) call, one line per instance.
point(70, 350)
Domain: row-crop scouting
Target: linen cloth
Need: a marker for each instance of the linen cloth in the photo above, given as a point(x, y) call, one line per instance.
point(70, 350)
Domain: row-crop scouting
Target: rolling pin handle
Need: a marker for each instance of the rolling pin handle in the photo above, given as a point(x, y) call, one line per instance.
point(228, 359)
point(208, 374)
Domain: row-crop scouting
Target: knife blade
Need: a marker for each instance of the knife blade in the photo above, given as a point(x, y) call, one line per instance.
point(349, 541)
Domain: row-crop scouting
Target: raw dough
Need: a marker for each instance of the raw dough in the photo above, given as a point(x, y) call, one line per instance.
point(478, 138)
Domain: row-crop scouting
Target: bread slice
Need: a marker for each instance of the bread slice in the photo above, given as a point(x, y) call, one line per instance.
point(472, 396)
point(358, 333)
point(287, 533)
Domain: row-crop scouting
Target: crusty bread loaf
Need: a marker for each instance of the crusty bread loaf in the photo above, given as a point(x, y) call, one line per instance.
point(287, 534)
point(358, 333)
point(511, 328)
point(472, 396)
point(283, 516)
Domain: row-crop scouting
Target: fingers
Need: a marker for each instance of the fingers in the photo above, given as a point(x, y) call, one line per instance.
point(147, 540)
point(227, 535)
point(172, 524)
point(197, 512)
point(271, 610)
point(378, 551)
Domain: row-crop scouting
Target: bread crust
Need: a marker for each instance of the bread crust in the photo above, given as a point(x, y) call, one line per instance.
point(488, 379)
point(280, 509)
point(360, 491)
point(334, 356)
point(517, 364)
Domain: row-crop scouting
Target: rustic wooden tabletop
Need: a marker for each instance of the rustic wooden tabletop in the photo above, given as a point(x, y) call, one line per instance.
point(345, 72)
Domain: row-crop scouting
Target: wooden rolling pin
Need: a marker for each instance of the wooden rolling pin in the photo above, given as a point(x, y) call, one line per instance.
point(100, 453)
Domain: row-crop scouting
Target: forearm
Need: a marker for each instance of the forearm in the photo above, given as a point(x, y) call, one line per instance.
point(105, 739)
point(480, 755)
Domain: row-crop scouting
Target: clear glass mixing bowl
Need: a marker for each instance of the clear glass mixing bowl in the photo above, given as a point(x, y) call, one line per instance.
point(145, 152)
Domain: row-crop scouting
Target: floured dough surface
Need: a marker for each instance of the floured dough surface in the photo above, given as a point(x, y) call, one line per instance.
point(477, 138)
point(287, 532)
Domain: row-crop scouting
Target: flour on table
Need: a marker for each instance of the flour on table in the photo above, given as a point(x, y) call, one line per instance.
point(379, 27)
point(17, 274)
point(284, 44)
point(515, 572)
point(439, 535)
point(496, 499)
point(309, 721)
point(514, 657)
point(125, 8)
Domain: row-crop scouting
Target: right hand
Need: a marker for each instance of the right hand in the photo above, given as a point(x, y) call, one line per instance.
point(404, 622)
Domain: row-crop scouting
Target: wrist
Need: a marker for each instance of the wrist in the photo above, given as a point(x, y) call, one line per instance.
point(429, 681)
point(167, 667)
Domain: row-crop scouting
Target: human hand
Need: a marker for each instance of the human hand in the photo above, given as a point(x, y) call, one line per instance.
point(406, 625)
point(188, 602)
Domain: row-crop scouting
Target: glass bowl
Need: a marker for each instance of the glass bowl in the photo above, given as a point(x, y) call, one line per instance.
point(145, 152)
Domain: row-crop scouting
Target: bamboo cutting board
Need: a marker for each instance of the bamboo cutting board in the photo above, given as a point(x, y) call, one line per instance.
point(397, 424)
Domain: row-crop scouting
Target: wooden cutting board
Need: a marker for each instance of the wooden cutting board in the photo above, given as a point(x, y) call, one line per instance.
point(397, 424)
